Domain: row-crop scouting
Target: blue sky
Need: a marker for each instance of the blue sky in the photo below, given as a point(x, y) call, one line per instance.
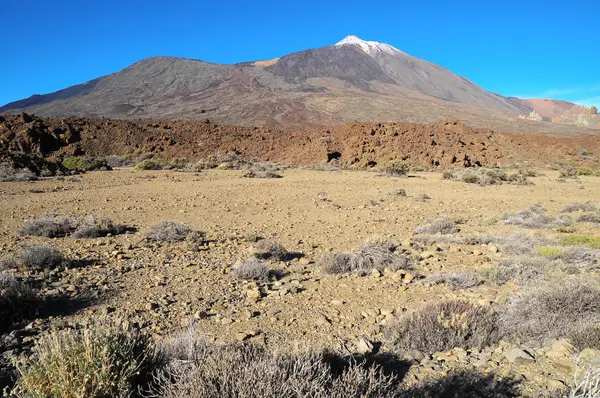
point(522, 48)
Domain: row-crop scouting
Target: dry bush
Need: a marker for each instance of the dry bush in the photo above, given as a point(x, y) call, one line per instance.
point(102, 360)
point(8, 173)
point(150, 164)
point(586, 336)
point(523, 269)
point(169, 232)
point(586, 380)
point(399, 192)
point(457, 280)
point(551, 309)
point(95, 227)
point(252, 173)
point(199, 369)
point(252, 269)
point(117, 161)
point(269, 250)
point(397, 168)
point(35, 257)
point(589, 217)
point(374, 254)
point(442, 226)
point(443, 325)
point(521, 243)
point(580, 206)
point(49, 225)
point(536, 217)
point(17, 300)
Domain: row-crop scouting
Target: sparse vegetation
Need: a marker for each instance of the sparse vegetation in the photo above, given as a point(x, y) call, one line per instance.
point(169, 232)
point(95, 227)
point(483, 177)
point(34, 257)
point(581, 240)
point(469, 178)
point(252, 269)
point(114, 161)
point(261, 174)
point(443, 325)
point(49, 226)
point(399, 192)
point(549, 251)
point(585, 206)
point(586, 336)
point(552, 309)
point(17, 300)
point(8, 173)
point(149, 164)
point(81, 163)
point(457, 280)
point(397, 168)
point(377, 254)
point(442, 226)
point(101, 360)
point(205, 370)
point(536, 217)
point(269, 250)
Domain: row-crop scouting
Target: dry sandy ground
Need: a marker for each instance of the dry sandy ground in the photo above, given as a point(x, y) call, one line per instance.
point(165, 287)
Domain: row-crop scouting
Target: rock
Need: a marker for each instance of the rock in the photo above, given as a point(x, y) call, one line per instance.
point(375, 273)
point(590, 356)
point(427, 254)
point(253, 294)
point(363, 347)
point(560, 348)
point(519, 356)
point(304, 261)
point(555, 384)
point(336, 303)
point(242, 336)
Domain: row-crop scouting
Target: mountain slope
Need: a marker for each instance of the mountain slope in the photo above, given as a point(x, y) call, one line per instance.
point(354, 79)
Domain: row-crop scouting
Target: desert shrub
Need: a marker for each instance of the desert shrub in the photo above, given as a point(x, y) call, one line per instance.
point(497, 174)
point(9, 173)
point(35, 257)
point(81, 163)
point(205, 370)
point(440, 226)
point(399, 192)
point(447, 175)
point(269, 250)
point(397, 168)
point(176, 164)
point(49, 225)
point(149, 164)
point(589, 217)
point(443, 325)
point(581, 240)
point(569, 229)
point(587, 336)
point(102, 360)
point(518, 179)
point(568, 172)
point(551, 309)
point(251, 269)
point(586, 380)
point(529, 173)
point(261, 174)
point(585, 206)
point(169, 232)
point(549, 251)
point(469, 178)
point(95, 227)
point(17, 300)
point(580, 256)
point(118, 161)
point(523, 269)
point(535, 217)
point(585, 171)
point(521, 243)
point(375, 254)
point(457, 280)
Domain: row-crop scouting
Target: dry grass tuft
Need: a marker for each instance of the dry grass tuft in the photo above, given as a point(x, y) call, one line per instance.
point(442, 226)
point(457, 280)
point(35, 257)
point(95, 227)
point(269, 250)
point(101, 360)
point(49, 226)
point(374, 254)
point(536, 217)
point(585, 206)
point(169, 232)
point(252, 269)
point(443, 325)
point(586, 336)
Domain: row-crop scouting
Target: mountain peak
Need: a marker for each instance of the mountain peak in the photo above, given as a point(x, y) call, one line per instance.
point(370, 47)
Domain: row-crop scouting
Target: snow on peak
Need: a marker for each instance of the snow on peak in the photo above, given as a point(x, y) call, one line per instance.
point(370, 47)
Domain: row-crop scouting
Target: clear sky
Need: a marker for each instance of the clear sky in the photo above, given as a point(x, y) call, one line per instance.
point(526, 48)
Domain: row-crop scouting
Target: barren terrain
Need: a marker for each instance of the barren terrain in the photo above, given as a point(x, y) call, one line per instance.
point(165, 287)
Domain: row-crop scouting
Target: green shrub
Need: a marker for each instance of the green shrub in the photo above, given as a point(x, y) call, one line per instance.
point(149, 164)
point(549, 251)
point(585, 171)
point(102, 360)
point(397, 168)
point(469, 178)
point(581, 240)
point(81, 163)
